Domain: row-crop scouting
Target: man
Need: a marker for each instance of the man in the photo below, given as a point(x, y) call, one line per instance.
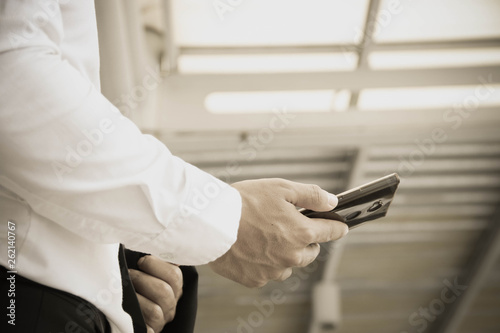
point(77, 179)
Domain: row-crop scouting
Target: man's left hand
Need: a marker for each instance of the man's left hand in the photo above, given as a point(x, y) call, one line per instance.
point(158, 285)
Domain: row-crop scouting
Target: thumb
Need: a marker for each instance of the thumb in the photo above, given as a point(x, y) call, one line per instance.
point(311, 197)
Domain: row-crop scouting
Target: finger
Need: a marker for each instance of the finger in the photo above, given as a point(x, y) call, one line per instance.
point(155, 290)
point(153, 314)
point(165, 271)
point(285, 275)
point(149, 329)
point(309, 254)
point(310, 196)
point(323, 230)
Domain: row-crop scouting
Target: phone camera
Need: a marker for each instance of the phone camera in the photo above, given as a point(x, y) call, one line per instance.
point(352, 215)
point(376, 205)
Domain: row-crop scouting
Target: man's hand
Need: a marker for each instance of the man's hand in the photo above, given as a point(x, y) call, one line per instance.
point(159, 287)
point(273, 236)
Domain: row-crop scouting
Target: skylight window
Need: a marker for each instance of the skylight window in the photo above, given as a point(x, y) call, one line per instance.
point(434, 58)
point(267, 101)
point(267, 63)
point(431, 20)
point(268, 23)
point(427, 98)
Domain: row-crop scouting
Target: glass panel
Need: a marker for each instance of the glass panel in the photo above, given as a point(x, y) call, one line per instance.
point(428, 98)
point(431, 20)
point(434, 58)
point(266, 102)
point(267, 63)
point(268, 23)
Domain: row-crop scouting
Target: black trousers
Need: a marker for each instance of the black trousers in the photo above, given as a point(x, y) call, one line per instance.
point(42, 309)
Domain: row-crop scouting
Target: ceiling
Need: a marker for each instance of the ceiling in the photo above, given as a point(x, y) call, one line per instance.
point(362, 89)
point(438, 229)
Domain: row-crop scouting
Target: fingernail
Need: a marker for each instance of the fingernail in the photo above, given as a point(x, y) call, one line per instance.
point(346, 231)
point(140, 261)
point(332, 200)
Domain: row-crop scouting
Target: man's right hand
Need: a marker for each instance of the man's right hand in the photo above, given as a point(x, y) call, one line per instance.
point(273, 236)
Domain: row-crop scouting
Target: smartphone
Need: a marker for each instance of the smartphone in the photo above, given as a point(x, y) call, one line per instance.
point(361, 204)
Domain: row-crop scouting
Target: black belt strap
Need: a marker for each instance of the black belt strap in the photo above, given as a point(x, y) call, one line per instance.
point(185, 316)
point(43, 309)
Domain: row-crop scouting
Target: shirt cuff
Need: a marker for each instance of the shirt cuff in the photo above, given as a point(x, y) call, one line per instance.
point(206, 225)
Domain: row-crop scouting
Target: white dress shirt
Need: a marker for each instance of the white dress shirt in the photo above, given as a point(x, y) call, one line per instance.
point(78, 178)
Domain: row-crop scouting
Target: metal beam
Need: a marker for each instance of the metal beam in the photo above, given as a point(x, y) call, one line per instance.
point(287, 49)
point(188, 116)
point(336, 248)
point(438, 45)
point(365, 45)
point(169, 60)
point(367, 40)
point(481, 263)
point(332, 264)
point(361, 79)
point(294, 49)
point(381, 142)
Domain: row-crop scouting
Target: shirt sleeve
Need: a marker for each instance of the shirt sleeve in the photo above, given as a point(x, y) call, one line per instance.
point(70, 154)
